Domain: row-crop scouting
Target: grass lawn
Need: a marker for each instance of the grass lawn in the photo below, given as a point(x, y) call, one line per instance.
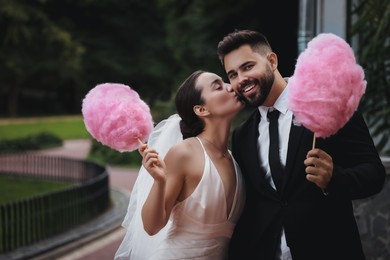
point(18, 188)
point(65, 127)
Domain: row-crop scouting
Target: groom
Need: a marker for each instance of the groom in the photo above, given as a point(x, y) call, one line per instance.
point(303, 210)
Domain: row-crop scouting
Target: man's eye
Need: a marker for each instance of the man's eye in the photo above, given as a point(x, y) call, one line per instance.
point(248, 67)
point(232, 76)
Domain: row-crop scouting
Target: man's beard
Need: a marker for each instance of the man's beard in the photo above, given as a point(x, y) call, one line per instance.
point(265, 85)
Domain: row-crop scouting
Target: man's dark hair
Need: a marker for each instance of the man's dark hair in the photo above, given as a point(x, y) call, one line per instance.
point(234, 40)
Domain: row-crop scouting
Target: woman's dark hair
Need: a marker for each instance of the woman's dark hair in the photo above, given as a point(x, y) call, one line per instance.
point(188, 96)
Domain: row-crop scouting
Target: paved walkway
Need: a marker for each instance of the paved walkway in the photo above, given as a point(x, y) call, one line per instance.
point(99, 239)
point(105, 246)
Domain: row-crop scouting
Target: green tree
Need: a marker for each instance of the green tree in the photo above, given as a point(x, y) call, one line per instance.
point(124, 43)
point(194, 28)
point(53, 52)
point(372, 27)
point(33, 48)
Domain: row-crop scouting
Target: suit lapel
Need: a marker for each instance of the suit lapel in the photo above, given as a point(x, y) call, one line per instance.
point(251, 154)
point(297, 139)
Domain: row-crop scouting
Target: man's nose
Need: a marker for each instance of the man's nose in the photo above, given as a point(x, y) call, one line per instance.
point(241, 78)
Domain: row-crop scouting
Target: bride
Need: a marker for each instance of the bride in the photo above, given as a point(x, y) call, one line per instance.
point(189, 192)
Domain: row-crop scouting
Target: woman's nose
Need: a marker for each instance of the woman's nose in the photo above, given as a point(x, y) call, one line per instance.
point(228, 87)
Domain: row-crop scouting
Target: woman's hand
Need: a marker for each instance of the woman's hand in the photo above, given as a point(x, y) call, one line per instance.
point(152, 162)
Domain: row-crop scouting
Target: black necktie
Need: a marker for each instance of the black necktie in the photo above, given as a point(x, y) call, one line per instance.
point(273, 155)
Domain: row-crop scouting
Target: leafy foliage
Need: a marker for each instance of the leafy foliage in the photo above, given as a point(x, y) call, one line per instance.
point(29, 143)
point(372, 27)
point(194, 28)
point(105, 155)
point(37, 56)
point(53, 52)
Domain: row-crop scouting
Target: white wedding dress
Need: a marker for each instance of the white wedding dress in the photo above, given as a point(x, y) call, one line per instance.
point(199, 227)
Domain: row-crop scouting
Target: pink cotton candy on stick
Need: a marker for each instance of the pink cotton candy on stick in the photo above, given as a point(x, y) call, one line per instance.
point(115, 115)
point(327, 85)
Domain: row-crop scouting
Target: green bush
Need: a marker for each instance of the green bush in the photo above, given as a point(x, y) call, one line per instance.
point(105, 155)
point(32, 142)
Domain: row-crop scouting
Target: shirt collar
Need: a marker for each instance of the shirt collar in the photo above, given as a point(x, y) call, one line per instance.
point(280, 104)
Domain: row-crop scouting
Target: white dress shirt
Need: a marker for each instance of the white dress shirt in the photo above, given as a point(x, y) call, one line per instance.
point(284, 121)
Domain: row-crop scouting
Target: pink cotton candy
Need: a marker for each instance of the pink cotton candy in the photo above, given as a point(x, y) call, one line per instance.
point(327, 85)
point(115, 115)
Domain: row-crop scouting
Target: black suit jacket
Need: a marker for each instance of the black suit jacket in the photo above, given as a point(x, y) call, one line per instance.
point(317, 226)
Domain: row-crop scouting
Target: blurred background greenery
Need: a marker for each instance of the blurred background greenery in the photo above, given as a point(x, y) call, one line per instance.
point(31, 134)
point(53, 52)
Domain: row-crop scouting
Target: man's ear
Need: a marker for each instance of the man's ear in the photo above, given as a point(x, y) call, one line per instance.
point(200, 110)
point(273, 59)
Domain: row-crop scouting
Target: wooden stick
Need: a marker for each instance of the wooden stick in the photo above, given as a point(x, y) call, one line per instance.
point(139, 141)
point(314, 141)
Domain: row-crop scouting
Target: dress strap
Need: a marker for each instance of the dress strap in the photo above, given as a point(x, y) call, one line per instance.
point(200, 141)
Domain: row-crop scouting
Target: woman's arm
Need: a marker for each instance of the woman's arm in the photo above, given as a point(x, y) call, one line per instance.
point(168, 182)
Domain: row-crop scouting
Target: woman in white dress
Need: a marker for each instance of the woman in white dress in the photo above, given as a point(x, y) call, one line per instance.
point(196, 194)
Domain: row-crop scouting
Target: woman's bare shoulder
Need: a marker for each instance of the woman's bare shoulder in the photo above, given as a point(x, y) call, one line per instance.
point(183, 150)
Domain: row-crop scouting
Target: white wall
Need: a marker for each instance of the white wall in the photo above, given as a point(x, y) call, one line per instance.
point(332, 17)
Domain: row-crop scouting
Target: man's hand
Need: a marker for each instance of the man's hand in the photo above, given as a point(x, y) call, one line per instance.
point(319, 167)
